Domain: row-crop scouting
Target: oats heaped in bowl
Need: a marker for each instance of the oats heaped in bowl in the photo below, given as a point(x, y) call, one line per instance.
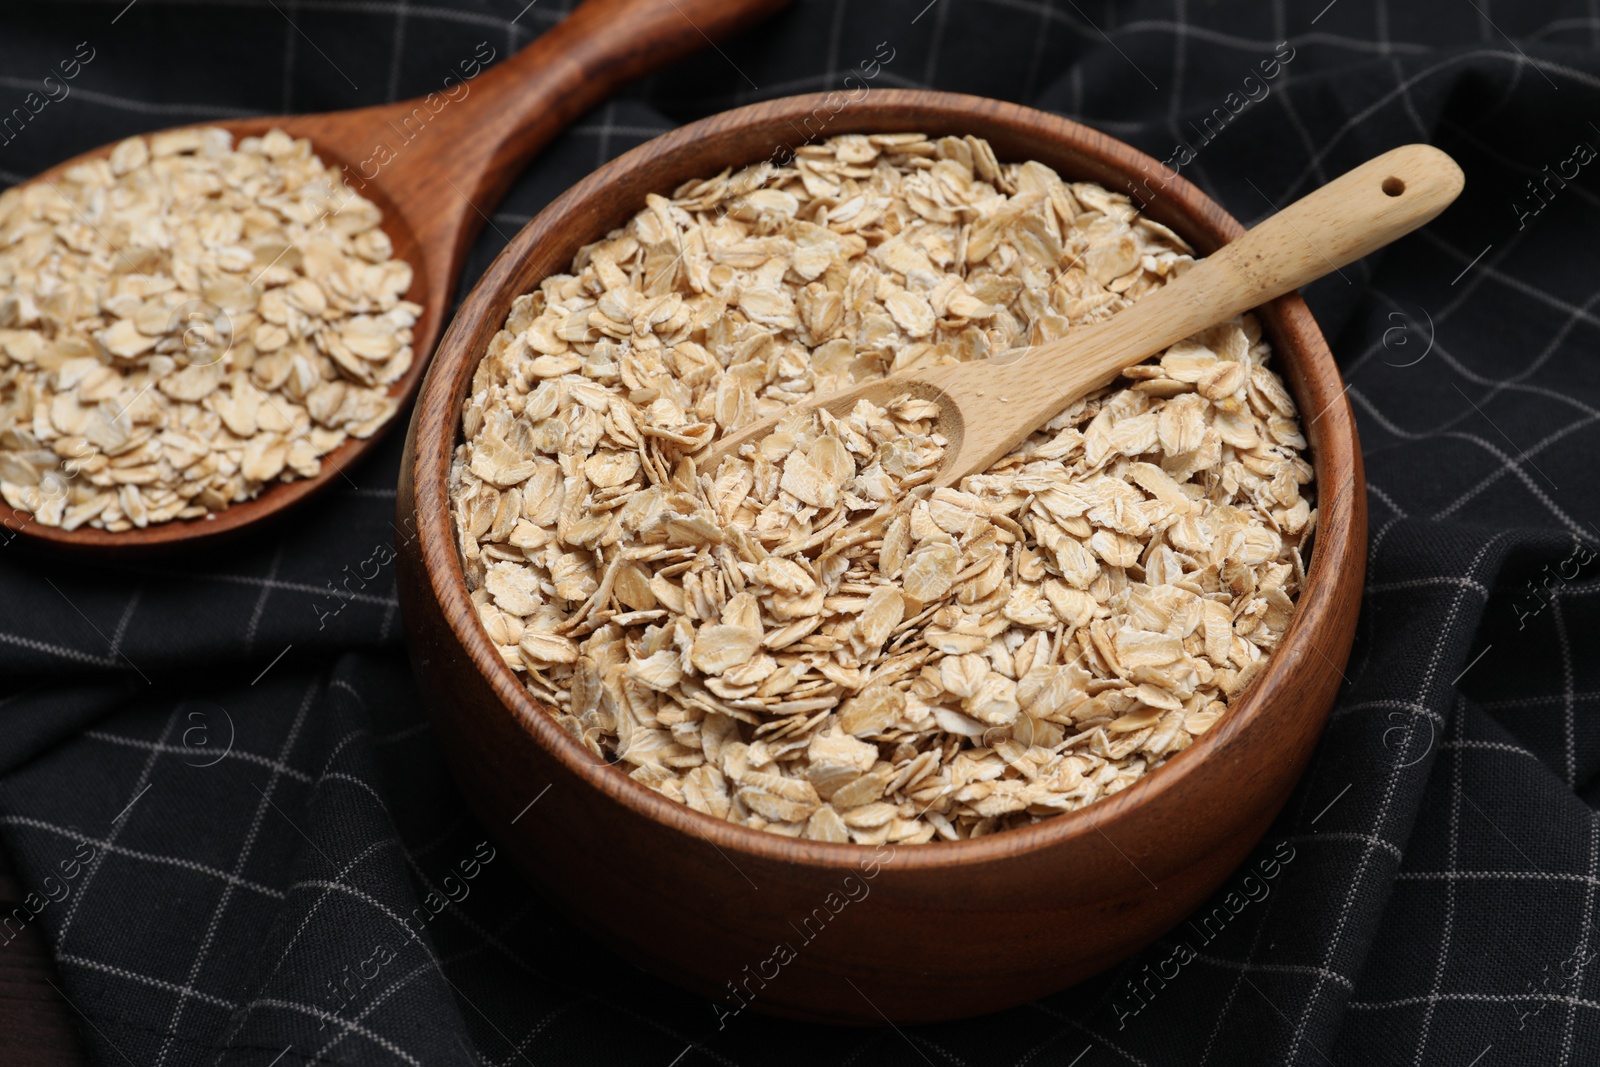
point(979, 658)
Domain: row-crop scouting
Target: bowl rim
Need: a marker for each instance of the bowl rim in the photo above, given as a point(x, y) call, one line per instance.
point(1339, 535)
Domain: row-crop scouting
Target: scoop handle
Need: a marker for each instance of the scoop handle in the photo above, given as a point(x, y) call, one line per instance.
point(1357, 213)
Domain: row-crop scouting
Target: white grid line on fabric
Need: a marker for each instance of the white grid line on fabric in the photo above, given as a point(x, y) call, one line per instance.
point(723, 101)
point(1420, 583)
point(1351, 836)
point(1305, 792)
point(325, 1015)
point(1237, 984)
point(457, 913)
point(1103, 1040)
point(432, 963)
point(350, 736)
point(111, 848)
point(1041, 38)
point(1270, 968)
point(1406, 103)
point(1533, 702)
point(144, 979)
point(1359, 117)
point(1488, 270)
point(1205, 34)
point(1494, 876)
point(440, 838)
point(329, 887)
point(305, 920)
point(110, 839)
point(121, 628)
point(1441, 431)
point(1390, 787)
point(1573, 315)
point(340, 776)
point(346, 7)
point(1286, 100)
point(245, 849)
point(518, 1051)
point(1390, 503)
point(1591, 23)
point(1453, 854)
point(1489, 746)
point(1473, 998)
point(142, 107)
point(404, 734)
point(1464, 296)
point(332, 886)
point(276, 584)
point(1376, 541)
point(1569, 725)
point(390, 612)
point(1394, 705)
point(1507, 464)
point(181, 750)
point(290, 43)
point(835, 32)
point(1583, 936)
point(57, 650)
point(602, 146)
point(261, 601)
point(1180, 58)
point(1514, 383)
point(941, 19)
point(488, 940)
point(1465, 133)
point(397, 47)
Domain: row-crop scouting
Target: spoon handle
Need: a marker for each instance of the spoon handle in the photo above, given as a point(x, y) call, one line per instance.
point(448, 172)
point(1355, 214)
point(524, 100)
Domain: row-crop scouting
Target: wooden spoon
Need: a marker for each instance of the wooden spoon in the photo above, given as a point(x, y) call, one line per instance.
point(988, 407)
point(436, 166)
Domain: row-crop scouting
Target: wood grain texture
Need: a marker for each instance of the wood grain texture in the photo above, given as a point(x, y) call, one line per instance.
point(437, 166)
point(944, 930)
point(987, 409)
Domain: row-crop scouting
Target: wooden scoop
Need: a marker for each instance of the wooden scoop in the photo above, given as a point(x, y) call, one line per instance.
point(988, 407)
point(437, 166)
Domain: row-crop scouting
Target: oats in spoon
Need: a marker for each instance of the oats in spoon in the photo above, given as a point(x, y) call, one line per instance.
point(186, 323)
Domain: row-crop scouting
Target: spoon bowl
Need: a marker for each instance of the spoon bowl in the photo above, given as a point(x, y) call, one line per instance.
point(435, 167)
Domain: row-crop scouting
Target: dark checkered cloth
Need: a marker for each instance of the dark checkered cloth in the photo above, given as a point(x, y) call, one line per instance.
point(1441, 903)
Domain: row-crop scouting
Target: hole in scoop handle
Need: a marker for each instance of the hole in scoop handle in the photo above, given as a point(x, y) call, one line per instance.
point(1352, 216)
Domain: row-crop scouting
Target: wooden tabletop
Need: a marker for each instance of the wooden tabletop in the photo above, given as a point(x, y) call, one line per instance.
point(36, 1025)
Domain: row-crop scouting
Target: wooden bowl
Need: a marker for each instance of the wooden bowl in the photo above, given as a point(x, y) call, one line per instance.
point(847, 933)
